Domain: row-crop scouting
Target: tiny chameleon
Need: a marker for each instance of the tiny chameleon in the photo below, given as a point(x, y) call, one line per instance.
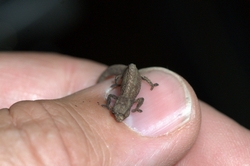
point(129, 79)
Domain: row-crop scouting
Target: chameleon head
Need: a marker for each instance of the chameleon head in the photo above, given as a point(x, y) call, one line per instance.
point(121, 109)
point(119, 117)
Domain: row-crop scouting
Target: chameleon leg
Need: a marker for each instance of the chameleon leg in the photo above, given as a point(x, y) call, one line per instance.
point(139, 102)
point(117, 78)
point(109, 100)
point(149, 82)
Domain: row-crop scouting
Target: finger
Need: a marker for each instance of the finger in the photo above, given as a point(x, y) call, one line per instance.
point(31, 76)
point(78, 130)
point(221, 141)
point(161, 135)
point(29, 136)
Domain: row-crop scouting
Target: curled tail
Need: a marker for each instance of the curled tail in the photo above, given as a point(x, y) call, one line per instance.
point(112, 70)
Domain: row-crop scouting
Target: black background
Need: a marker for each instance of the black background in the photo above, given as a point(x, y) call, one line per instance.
point(207, 42)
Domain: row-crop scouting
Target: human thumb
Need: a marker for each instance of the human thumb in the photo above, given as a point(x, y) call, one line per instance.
point(160, 135)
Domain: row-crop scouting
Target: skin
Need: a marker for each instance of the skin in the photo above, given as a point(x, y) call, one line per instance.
point(74, 130)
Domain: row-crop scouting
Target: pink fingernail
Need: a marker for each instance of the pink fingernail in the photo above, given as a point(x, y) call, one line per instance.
point(166, 108)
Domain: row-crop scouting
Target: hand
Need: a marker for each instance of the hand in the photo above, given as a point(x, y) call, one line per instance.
point(71, 128)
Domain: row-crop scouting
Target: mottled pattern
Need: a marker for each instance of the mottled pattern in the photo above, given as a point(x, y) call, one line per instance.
point(130, 88)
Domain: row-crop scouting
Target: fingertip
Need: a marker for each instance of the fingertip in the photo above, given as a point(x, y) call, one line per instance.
point(168, 107)
point(168, 124)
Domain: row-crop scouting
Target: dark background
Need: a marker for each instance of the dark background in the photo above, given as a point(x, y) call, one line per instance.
point(207, 42)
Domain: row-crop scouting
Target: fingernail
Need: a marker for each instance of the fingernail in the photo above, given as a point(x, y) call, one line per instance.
point(166, 108)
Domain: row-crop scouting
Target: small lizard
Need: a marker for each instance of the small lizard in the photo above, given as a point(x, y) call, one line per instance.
point(130, 88)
